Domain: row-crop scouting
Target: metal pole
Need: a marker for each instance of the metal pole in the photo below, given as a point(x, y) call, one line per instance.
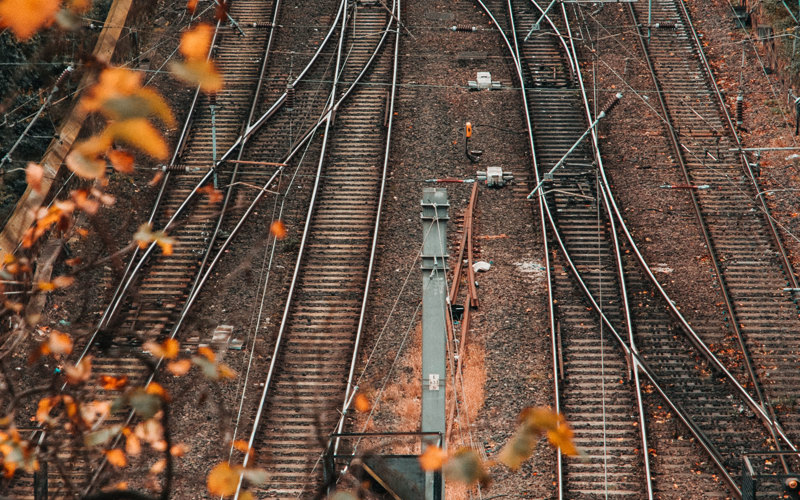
point(649, 18)
point(564, 158)
point(538, 23)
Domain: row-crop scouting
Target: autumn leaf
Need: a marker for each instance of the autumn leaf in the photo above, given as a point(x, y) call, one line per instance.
point(159, 466)
point(167, 349)
point(180, 367)
point(57, 343)
point(26, 17)
point(93, 411)
point(33, 176)
point(133, 445)
point(207, 353)
point(143, 403)
point(145, 235)
point(465, 466)
point(202, 72)
point(178, 450)
point(561, 437)
point(362, 403)
point(432, 459)
point(120, 160)
point(196, 41)
point(101, 436)
point(110, 383)
point(80, 372)
point(140, 133)
point(157, 389)
point(214, 195)
point(84, 159)
point(43, 410)
point(278, 229)
point(222, 480)
point(191, 5)
point(116, 458)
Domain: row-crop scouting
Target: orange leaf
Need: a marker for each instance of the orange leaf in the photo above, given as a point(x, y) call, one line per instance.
point(178, 450)
point(200, 72)
point(195, 42)
point(242, 446)
point(116, 458)
point(84, 159)
point(362, 403)
point(113, 83)
point(214, 195)
point(159, 466)
point(140, 133)
point(133, 445)
point(59, 343)
point(110, 383)
point(222, 480)
point(43, 411)
point(157, 389)
point(432, 459)
point(167, 349)
point(80, 372)
point(121, 161)
point(25, 17)
point(278, 229)
point(207, 353)
point(180, 367)
point(191, 5)
point(33, 176)
point(63, 281)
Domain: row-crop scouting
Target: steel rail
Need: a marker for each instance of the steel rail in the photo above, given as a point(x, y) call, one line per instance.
point(688, 330)
point(128, 278)
point(675, 142)
point(178, 149)
point(789, 269)
point(350, 389)
point(554, 346)
point(569, 51)
point(710, 449)
point(334, 105)
point(693, 337)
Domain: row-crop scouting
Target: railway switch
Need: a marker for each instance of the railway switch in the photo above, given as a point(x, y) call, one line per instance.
point(483, 81)
point(495, 177)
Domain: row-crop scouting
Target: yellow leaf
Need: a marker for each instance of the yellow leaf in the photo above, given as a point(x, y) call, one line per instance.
point(222, 480)
point(432, 459)
point(180, 367)
point(200, 72)
point(46, 286)
point(33, 176)
point(25, 17)
point(278, 229)
point(245, 495)
point(113, 83)
point(195, 42)
point(116, 458)
point(140, 133)
point(561, 437)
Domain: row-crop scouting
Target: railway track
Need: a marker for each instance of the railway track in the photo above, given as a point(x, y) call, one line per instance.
point(749, 260)
point(711, 408)
point(165, 283)
point(321, 326)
